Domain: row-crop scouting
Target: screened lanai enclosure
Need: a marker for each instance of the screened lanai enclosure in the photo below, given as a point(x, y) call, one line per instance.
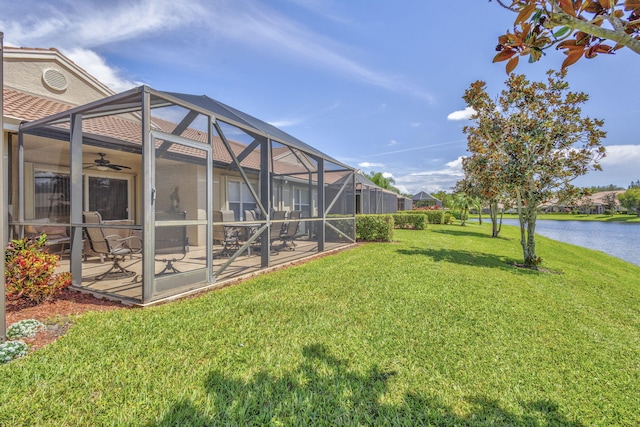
point(371, 199)
point(152, 194)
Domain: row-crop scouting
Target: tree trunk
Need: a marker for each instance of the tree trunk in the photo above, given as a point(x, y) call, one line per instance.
point(493, 213)
point(527, 216)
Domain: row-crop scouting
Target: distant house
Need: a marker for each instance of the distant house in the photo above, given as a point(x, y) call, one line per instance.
point(425, 199)
point(594, 204)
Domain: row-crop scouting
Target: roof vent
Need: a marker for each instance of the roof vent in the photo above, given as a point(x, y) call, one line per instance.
point(54, 80)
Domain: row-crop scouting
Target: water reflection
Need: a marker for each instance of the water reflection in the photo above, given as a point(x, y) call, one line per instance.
point(614, 238)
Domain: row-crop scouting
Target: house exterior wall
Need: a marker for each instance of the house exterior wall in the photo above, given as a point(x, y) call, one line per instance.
point(23, 70)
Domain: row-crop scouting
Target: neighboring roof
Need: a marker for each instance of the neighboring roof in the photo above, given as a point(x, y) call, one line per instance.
point(362, 179)
point(363, 182)
point(424, 196)
point(595, 199)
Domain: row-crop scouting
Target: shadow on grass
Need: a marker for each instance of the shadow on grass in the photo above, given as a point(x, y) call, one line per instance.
point(461, 257)
point(324, 391)
point(465, 231)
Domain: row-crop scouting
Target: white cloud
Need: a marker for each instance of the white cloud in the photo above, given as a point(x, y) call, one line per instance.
point(431, 181)
point(387, 175)
point(88, 25)
point(78, 28)
point(97, 67)
point(465, 114)
point(369, 165)
point(392, 142)
point(619, 167)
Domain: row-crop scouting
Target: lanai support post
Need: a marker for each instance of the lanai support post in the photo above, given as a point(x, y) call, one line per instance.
point(321, 207)
point(148, 201)
point(75, 162)
point(265, 199)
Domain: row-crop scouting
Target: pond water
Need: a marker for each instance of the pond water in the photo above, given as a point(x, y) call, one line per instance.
point(614, 238)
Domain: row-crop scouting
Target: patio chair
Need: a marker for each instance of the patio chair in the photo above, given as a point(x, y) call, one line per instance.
point(290, 230)
point(114, 246)
point(276, 228)
point(225, 235)
point(171, 241)
point(57, 236)
point(252, 227)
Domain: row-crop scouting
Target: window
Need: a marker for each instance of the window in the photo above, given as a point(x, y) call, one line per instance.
point(239, 199)
point(51, 197)
point(301, 201)
point(108, 195)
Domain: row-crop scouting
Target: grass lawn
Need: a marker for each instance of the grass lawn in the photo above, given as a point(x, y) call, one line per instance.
point(435, 328)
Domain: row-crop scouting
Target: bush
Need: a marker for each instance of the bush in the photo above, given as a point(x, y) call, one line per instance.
point(30, 271)
point(411, 221)
point(374, 228)
point(448, 218)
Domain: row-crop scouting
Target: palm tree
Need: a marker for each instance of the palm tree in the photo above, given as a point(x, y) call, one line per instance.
point(382, 181)
point(462, 202)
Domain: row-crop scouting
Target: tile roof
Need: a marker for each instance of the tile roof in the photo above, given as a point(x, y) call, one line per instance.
point(24, 106)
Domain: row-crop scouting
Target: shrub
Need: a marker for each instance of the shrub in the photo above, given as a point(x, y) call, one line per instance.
point(408, 220)
point(10, 350)
point(30, 271)
point(448, 218)
point(24, 328)
point(374, 228)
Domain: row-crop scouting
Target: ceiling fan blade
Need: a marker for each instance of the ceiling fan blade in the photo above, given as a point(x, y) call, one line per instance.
point(115, 167)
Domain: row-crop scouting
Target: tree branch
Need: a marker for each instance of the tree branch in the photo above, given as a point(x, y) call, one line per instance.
point(505, 6)
point(558, 17)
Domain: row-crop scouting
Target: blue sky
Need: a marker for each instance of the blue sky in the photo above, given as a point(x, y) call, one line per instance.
point(374, 84)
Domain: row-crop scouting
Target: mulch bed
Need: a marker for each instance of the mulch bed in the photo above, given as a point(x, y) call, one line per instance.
point(55, 314)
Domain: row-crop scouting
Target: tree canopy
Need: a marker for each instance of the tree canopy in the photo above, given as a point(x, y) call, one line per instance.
point(531, 144)
point(581, 28)
point(630, 199)
point(599, 188)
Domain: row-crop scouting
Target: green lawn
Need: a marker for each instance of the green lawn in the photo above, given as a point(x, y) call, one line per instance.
point(435, 328)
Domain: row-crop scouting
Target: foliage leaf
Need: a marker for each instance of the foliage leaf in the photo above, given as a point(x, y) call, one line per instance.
point(504, 55)
point(525, 13)
point(573, 55)
point(561, 32)
point(631, 4)
point(512, 64)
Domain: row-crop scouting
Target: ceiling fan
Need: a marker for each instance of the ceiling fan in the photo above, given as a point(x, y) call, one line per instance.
point(103, 164)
